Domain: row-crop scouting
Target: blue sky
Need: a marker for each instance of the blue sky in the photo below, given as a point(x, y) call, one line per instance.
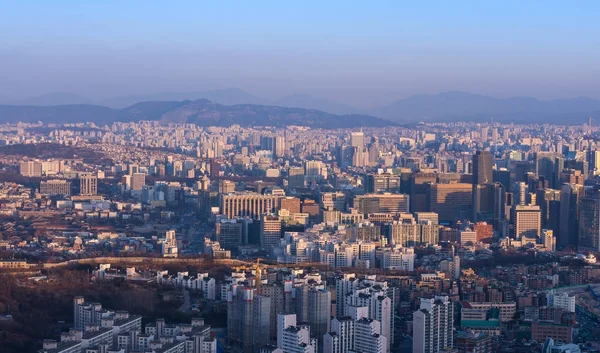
point(348, 51)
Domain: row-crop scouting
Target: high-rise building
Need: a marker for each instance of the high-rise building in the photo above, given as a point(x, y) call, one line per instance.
point(357, 139)
point(279, 146)
point(88, 184)
point(589, 222)
point(314, 308)
point(433, 325)
point(248, 318)
point(526, 221)
point(138, 180)
point(229, 233)
point(169, 244)
point(296, 177)
point(571, 196)
point(418, 190)
point(270, 231)
point(368, 337)
point(292, 338)
point(369, 293)
point(452, 202)
point(483, 164)
point(549, 165)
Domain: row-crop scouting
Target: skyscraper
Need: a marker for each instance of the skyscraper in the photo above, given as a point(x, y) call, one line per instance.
point(570, 199)
point(483, 164)
point(589, 222)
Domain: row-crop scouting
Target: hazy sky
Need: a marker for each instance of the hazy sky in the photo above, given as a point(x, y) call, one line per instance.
point(346, 51)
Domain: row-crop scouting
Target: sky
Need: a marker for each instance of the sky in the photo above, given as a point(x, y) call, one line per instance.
point(356, 52)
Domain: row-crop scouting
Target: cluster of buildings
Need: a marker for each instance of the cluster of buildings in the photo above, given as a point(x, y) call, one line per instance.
point(98, 330)
point(410, 204)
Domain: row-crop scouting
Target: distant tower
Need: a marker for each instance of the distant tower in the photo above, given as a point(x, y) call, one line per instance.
point(590, 125)
point(88, 184)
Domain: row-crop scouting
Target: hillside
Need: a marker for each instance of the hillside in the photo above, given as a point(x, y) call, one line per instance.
point(201, 112)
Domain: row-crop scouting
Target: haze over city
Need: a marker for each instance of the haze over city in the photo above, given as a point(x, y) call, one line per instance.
point(361, 56)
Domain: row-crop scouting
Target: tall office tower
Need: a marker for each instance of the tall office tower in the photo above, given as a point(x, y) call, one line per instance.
point(296, 177)
point(292, 338)
point(270, 231)
point(382, 203)
point(433, 325)
point(418, 190)
point(589, 221)
point(138, 180)
point(30, 169)
point(452, 202)
point(55, 187)
point(526, 221)
point(382, 182)
point(570, 199)
point(88, 184)
point(169, 244)
point(229, 233)
point(248, 318)
point(484, 198)
point(549, 202)
point(519, 170)
point(549, 165)
point(520, 193)
point(357, 139)
point(314, 308)
point(483, 164)
point(279, 146)
point(248, 204)
point(333, 201)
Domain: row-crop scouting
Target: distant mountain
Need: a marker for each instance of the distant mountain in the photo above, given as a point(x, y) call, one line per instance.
point(228, 96)
point(56, 98)
point(305, 101)
point(202, 112)
point(461, 106)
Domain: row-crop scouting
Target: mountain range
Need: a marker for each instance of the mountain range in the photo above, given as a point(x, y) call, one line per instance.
point(233, 103)
point(201, 112)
